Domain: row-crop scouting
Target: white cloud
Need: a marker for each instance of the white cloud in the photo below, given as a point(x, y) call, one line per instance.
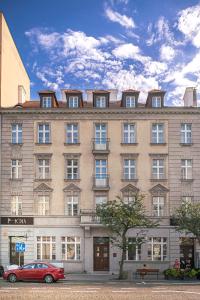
point(123, 20)
point(189, 24)
point(167, 53)
point(126, 51)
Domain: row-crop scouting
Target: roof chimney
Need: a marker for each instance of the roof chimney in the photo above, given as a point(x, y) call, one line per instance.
point(190, 97)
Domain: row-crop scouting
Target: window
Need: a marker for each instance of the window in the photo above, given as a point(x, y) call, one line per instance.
point(186, 133)
point(71, 248)
point(29, 267)
point(46, 247)
point(46, 102)
point(43, 207)
point(16, 206)
point(72, 133)
point(129, 133)
point(158, 206)
point(72, 169)
point(130, 101)
point(100, 101)
point(187, 199)
point(73, 101)
point(16, 169)
point(134, 250)
point(71, 205)
point(129, 169)
point(16, 133)
point(157, 248)
point(157, 133)
point(186, 168)
point(156, 101)
point(43, 133)
point(100, 134)
point(43, 168)
point(101, 168)
point(158, 169)
point(100, 199)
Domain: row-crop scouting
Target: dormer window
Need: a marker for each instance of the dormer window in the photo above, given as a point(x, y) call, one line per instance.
point(46, 102)
point(156, 101)
point(130, 101)
point(73, 101)
point(101, 101)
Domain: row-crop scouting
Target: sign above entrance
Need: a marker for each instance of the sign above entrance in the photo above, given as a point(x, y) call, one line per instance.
point(17, 221)
point(20, 247)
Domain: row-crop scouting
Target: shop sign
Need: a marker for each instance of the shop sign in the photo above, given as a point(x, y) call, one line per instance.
point(17, 221)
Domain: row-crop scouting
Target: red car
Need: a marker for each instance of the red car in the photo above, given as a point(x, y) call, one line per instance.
point(35, 271)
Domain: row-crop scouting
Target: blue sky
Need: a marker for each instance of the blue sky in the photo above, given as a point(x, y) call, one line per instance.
point(111, 44)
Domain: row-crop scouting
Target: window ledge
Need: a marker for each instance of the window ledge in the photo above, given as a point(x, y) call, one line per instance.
point(16, 144)
point(72, 144)
point(186, 144)
point(158, 144)
point(129, 144)
point(16, 179)
point(187, 180)
point(129, 180)
point(76, 180)
point(158, 179)
point(43, 144)
point(39, 179)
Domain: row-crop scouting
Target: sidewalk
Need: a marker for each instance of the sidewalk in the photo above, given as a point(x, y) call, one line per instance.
point(90, 277)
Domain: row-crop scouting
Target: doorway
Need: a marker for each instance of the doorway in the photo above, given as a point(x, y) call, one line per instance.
point(187, 252)
point(101, 253)
point(16, 258)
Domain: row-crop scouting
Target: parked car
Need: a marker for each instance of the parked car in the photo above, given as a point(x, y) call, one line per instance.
point(40, 271)
point(1, 271)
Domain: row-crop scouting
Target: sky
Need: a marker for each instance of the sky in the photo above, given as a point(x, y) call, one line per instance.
point(108, 44)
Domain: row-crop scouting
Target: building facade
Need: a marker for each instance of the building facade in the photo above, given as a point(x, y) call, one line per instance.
point(14, 80)
point(60, 159)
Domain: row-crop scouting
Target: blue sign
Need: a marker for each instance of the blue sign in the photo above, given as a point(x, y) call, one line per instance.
point(20, 247)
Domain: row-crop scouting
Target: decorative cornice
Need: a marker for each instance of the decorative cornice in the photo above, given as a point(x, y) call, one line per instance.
point(43, 188)
point(71, 187)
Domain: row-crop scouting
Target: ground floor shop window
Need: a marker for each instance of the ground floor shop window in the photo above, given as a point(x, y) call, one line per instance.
point(46, 247)
point(70, 248)
point(134, 250)
point(157, 248)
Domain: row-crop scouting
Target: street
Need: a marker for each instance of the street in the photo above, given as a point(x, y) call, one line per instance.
point(100, 290)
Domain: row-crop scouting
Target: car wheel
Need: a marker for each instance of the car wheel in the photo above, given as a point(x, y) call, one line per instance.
point(12, 278)
point(48, 279)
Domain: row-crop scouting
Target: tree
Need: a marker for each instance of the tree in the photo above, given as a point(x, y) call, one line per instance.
point(118, 217)
point(187, 218)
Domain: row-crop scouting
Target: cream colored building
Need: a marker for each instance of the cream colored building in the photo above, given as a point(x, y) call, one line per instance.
point(62, 158)
point(14, 80)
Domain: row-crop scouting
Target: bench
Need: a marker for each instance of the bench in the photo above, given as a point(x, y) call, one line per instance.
point(143, 272)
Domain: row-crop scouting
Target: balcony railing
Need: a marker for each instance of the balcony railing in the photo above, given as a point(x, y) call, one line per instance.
point(101, 182)
point(100, 146)
point(88, 216)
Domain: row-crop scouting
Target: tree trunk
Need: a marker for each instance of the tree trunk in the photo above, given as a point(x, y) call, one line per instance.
point(121, 263)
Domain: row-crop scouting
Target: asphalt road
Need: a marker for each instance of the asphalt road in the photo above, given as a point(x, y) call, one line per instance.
point(99, 291)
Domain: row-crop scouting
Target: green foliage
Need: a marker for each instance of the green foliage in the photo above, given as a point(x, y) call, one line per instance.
point(180, 273)
point(187, 218)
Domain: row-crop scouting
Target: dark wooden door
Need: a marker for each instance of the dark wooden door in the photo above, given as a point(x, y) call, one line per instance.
point(101, 254)
point(187, 252)
point(16, 258)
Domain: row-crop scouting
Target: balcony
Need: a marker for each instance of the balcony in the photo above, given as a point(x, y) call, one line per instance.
point(89, 217)
point(100, 146)
point(101, 183)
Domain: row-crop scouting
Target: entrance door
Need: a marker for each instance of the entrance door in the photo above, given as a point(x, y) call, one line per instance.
point(187, 252)
point(101, 254)
point(16, 258)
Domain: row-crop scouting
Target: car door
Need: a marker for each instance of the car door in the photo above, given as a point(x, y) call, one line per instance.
point(27, 272)
point(41, 269)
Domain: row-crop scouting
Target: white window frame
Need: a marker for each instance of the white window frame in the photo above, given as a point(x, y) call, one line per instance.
point(73, 101)
point(130, 101)
point(158, 168)
point(156, 101)
point(16, 169)
point(72, 205)
point(186, 168)
point(46, 240)
point(65, 243)
point(158, 206)
point(46, 102)
point(152, 243)
point(187, 199)
point(43, 166)
point(16, 206)
point(72, 135)
point(157, 135)
point(100, 199)
point(43, 205)
point(129, 169)
point(186, 133)
point(72, 168)
point(43, 131)
point(101, 166)
point(16, 136)
point(137, 250)
point(100, 133)
point(100, 101)
point(129, 136)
